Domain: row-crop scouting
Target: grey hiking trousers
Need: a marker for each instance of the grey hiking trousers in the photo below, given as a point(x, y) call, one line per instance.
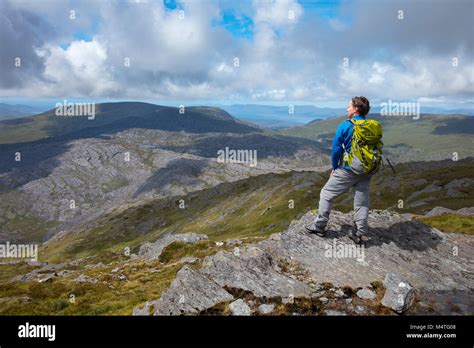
point(339, 183)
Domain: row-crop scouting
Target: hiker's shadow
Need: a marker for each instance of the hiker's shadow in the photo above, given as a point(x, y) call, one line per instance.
point(407, 235)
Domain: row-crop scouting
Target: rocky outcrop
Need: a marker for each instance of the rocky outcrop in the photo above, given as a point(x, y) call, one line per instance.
point(442, 210)
point(399, 294)
point(153, 250)
point(294, 265)
point(239, 308)
point(253, 269)
point(190, 293)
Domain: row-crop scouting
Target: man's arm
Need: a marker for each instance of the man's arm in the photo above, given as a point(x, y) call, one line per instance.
point(337, 149)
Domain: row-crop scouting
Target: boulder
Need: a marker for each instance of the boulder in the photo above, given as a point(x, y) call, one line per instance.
point(190, 293)
point(240, 308)
point(266, 308)
point(366, 294)
point(399, 294)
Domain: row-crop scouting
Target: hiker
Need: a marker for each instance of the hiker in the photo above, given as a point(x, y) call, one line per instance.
point(356, 156)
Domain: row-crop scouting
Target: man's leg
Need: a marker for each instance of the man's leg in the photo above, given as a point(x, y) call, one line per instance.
point(361, 204)
point(339, 183)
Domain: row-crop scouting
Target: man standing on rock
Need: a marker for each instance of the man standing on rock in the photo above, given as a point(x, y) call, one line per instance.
point(356, 156)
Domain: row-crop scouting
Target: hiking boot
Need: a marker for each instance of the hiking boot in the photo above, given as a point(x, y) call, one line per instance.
point(356, 236)
point(313, 228)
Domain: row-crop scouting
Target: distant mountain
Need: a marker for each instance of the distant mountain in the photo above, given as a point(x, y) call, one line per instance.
point(8, 111)
point(275, 117)
point(469, 111)
point(111, 118)
point(431, 137)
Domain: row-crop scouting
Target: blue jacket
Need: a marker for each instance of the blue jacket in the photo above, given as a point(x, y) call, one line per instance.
point(343, 136)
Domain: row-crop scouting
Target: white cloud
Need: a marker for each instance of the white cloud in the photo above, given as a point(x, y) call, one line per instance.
point(292, 55)
point(277, 12)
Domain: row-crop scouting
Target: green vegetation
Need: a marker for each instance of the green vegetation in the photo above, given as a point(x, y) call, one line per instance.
point(251, 208)
point(34, 129)
point(114, 184)
point(177, 250)
point(109, 296)
point(450, 223)
point(432, 137)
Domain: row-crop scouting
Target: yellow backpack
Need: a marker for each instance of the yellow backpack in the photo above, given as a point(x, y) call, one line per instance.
point(365, 156)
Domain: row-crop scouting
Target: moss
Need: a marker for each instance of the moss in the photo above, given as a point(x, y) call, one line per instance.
point(8, 271)
point(450, 223)
point(107, 297)
point(177, 250)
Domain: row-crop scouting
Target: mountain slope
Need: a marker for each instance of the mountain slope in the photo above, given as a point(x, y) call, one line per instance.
point(289, 272)
point(115, 117)
point(261, 205)
point(431, 137)
point(89, 261)
point(130, 153)
point(8, 111)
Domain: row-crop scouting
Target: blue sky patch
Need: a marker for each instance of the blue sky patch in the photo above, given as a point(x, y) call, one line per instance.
point(239, 25)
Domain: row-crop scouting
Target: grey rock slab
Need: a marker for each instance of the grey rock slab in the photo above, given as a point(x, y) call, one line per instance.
point(421, 253)
point(399, 294)
point(189, 293)
point(442, 210)
point(252, 269)
point(239, 308)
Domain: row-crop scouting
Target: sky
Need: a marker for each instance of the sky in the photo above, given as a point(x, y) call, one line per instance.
point(275, 52)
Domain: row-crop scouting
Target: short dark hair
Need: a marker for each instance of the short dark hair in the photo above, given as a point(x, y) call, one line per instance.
point(362, 104)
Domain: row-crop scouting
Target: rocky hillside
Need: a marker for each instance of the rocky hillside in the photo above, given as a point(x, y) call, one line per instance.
point(77, 169)
point(404, 267)
point(123, 261)
point(261, 205)
point(295, 271)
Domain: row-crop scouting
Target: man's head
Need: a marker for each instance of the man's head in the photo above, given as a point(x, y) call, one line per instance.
point(358, 106)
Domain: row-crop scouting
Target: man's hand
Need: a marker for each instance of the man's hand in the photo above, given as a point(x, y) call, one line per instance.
point(332, 171)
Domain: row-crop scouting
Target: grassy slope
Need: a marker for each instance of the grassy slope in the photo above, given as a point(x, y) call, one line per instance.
point(252, 208)
point(450, 223)
point(430, 137)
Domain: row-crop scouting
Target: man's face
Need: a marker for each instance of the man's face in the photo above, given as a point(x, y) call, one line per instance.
point(351, 110)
